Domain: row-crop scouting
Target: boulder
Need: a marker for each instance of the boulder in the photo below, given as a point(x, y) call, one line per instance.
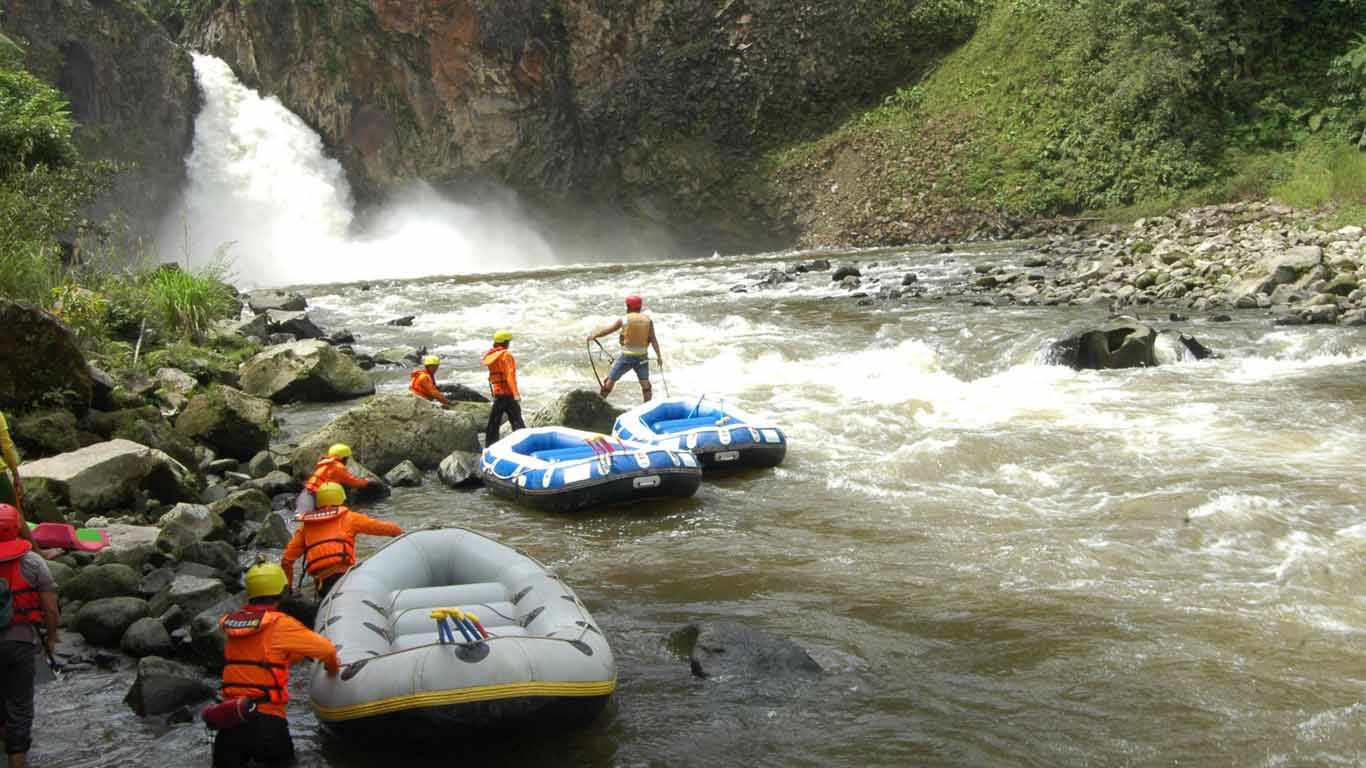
point(131, 545)
point(275, 482)
point(723, 648)
point(144, 425)
point(192, 593)
point(232, 423)
point(192, 522)
point(102, 390)
point(402, 322)
point(844, 271)
point(242, 505)
point(46, 433)
point(147, 637)
point(396, 356)
point(257, 327)
point(43, 362)
point(459, 393)
point(103, 621)
point(266, 300)
point(390, 428)
point(156, 581)
point(1117, 345)
point(262, 464)
point(163, 686)
point(218, 555)
point(405, 475)
point(460, 470)
point(61, 573)
point(95, 582)
point(274, 534)
point(580, 409)
point(297, 324)
point(206, 636)
point(108, 475)
point(304, 370)
point(176, 381)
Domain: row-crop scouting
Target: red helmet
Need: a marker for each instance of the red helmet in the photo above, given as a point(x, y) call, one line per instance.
point(633, 303)
point(9, 523)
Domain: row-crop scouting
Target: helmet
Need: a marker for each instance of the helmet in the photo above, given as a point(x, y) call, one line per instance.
point(340, 450)
point(9, 522)
point(501, 336)
point(265, 580)
point(330, 495)
point(431, 360)
point(633, 303)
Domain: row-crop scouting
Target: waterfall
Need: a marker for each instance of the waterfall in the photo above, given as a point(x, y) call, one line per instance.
point(263, 194)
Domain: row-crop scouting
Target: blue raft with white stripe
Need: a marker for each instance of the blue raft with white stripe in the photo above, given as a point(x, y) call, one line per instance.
point(720, 435)
point(559, 469)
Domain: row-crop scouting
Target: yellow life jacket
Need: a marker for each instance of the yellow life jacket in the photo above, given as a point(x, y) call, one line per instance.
point(635, 335)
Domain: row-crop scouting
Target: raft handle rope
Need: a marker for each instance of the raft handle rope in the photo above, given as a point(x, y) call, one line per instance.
point(464, 621)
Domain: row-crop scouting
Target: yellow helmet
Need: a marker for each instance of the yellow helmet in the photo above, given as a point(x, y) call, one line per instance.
point(330, 495)
point(431, 360)
point(502, 336)
point(340, 450)
point(265, 580)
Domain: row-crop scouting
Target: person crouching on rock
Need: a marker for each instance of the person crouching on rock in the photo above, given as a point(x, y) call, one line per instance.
point(423, 382)
point(327, 539)
point(329, 469)
point(32, 602)
point(261, 643)
point(503, 382)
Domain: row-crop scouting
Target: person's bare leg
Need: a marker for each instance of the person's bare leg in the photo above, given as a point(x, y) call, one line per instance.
point(646, 391)
point(18, 761)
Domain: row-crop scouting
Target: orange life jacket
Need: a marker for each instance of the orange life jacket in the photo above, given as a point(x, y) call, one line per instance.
point(329, 469)
point(28, 606)
point(248, 671)
point(328, 543)
point(423, 385)
point(635, 334)
point(502, 371)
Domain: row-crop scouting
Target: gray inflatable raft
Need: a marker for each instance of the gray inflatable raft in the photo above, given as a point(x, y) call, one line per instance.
point(545, 657)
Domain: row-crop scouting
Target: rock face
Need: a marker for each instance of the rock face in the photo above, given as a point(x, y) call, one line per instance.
point(728, 649)
point(304, 370)
point(163, 686)
point(42, 361)
point(133, 93)
point(229, 421)
point(107, 475)
point(387, 429)
point(580, 409)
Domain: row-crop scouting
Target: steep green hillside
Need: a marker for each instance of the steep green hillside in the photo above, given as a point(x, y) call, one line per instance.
point(1055, 107)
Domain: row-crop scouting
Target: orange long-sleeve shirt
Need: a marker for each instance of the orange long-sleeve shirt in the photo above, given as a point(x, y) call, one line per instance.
point(502, 372)
point(331, 469)
point(352, 525)
point(423, 385)
point(291, 642)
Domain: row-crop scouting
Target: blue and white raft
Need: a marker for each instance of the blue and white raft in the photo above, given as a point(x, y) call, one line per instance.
point(559, 469)
point(718, 434)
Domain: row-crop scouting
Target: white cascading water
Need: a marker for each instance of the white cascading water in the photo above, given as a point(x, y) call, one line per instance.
point(263, 193)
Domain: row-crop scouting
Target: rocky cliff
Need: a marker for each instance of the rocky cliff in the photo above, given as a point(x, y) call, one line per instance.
point(132, 91)
point(656, 108)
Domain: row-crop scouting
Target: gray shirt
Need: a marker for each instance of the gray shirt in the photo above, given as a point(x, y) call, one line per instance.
point(35, 572)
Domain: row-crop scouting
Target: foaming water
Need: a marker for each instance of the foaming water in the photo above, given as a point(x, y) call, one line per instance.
point(263, 193)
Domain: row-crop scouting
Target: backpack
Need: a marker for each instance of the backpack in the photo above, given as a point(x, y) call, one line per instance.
point(6, 604)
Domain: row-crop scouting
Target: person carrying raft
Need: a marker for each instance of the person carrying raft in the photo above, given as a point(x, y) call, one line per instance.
point(503, 384)
point(637, 337)
point(260, 643)
point(331, 468)
point(327, 539)
point(423, 383)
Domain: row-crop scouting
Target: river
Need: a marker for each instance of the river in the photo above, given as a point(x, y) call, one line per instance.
point(999, 562)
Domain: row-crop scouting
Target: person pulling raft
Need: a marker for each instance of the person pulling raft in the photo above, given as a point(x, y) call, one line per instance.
point(331, 468)
point(327, 539)
point(423, 381)
point(260, 644)
point(637, 336)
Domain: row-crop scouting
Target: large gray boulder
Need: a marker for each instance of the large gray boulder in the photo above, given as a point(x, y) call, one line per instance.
point(246, 504)
point(389, 428)
point(305, 370)
point(95, 582)
point(231, 422)
point(189, 523)
point(297, 324)
point(147, 637)
point(192, 593)
point(45, 433)
point(146, 426)
point(103, 621)
point(163, 686)
point(42, 361)
point(206, 636)
point(580, 409)
point(266, 300)
point(108, 475)
point(131, 545)
point(724, 648)
point(460, 470)
point(1117, 345)
point(405, 475)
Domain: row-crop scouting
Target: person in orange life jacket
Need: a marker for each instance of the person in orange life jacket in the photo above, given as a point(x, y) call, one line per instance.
point(327, 539)
point(329, 469)
point(637, 336)
point(260, 644)
point(503, 382)
point(33, 594)
point(423, 382)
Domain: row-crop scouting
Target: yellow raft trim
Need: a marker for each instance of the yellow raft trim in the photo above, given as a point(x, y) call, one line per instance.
point(466, 696)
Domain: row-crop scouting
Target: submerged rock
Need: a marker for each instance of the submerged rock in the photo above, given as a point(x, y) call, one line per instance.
point(724, 648)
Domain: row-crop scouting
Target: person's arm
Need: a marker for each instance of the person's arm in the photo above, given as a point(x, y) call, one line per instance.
point(352, 481)
point(654, 342)
point(52, 619)
point(430, 391)
point(298, 642)
point(293, 551)
point(512, 378)
point(606, 329)
point(359, 523)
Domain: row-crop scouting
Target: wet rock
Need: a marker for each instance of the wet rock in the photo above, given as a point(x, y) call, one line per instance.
point(774, 278)
point(108, 475)
point(850, 283)
point(147, 637)
point(246, 504)
point(1198, 351)
point(96, 582)
point(231, 422)
point(305, 370)
point(163, 686)
point(275, 482)
point(401, 322)
point(206, 637)
point(192, 593)
point(43, 361)
point(1321, 314)
point(297, 324)
point(103, 621)
point(262, 464)
point(819, 265)
point(275, 532)
point(405, 475)
point(459, 393)
point(1117, 345)
point(910, 278)
point(728, 649)
point(846, 270)
point(389, 428)
point(402, 355)
point(264, 301)
point(579, 409)
point(341, 338)
point(460, 470)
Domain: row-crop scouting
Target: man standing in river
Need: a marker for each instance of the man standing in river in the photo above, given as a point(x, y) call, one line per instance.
point(637, 337)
